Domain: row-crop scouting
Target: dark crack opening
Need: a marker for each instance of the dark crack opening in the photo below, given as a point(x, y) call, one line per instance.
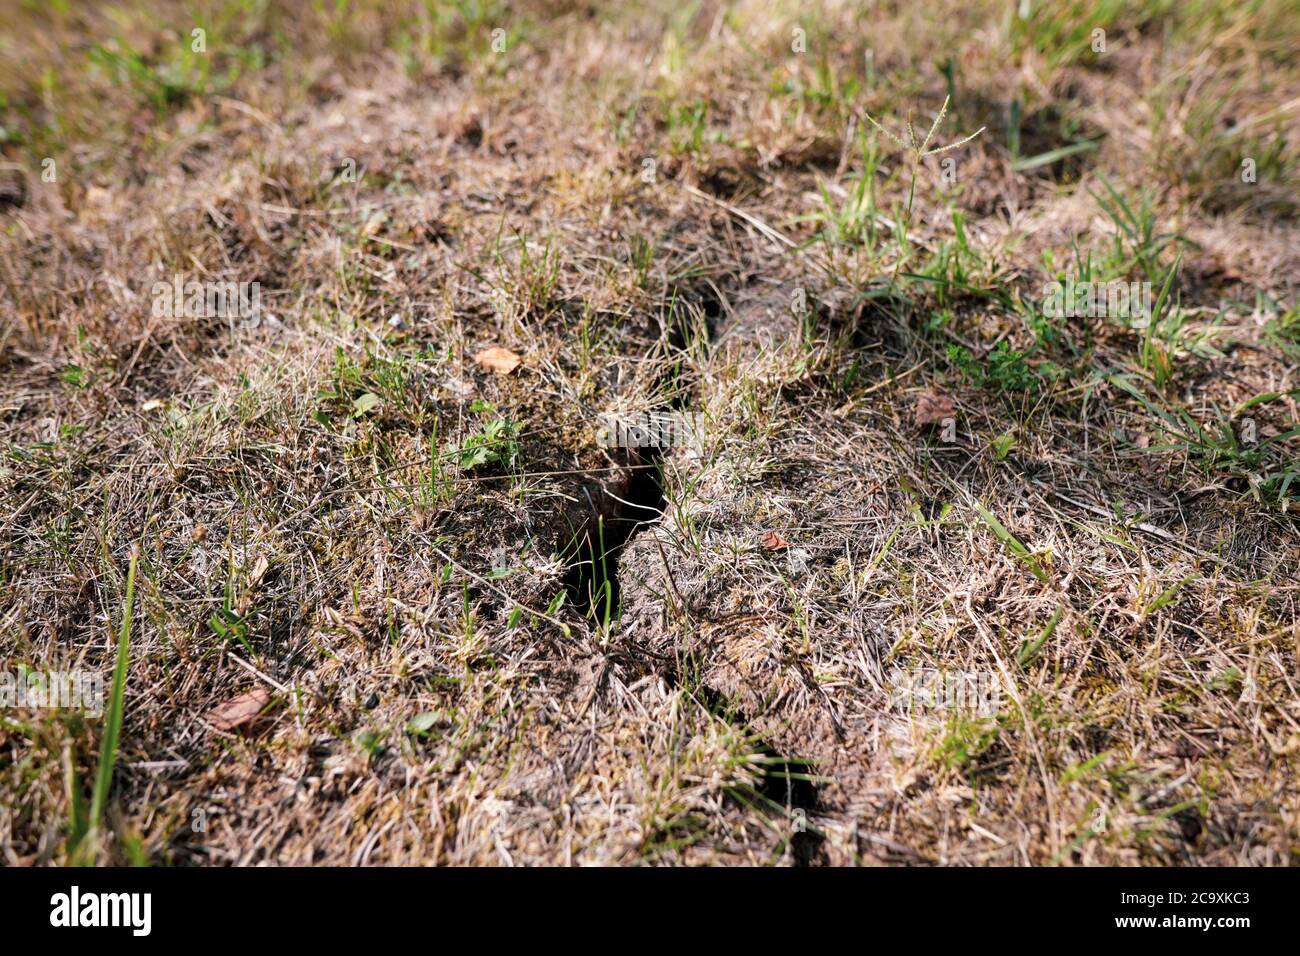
point(592, 580)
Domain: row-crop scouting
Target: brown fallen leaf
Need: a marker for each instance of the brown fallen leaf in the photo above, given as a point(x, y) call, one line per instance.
point(239, 711)
point(773, 541)
point(932, 408)
point(499, 360)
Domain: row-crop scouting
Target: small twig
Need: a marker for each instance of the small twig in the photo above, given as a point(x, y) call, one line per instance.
point(1149, 528)
point(253, 670)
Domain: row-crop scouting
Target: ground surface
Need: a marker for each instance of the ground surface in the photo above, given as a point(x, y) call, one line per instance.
point(946, 580)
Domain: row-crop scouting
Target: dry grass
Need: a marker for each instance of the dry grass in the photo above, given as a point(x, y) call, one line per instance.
point(640, 204)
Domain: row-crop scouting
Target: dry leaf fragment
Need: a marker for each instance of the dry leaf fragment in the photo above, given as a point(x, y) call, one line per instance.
point(932, 408)
point(499, 360)
point(459, 387)
point(239, 711)
point(773, 541)
point(260, 567)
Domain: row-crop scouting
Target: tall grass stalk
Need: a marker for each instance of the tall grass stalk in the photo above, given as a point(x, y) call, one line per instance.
point(917, 152)
point(113, 713)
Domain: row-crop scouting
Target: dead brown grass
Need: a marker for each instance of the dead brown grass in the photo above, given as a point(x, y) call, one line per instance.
point(432, 700)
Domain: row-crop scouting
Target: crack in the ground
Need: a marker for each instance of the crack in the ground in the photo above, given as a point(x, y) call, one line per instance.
point(785, 782)
point(592, 580)
point(594, 586)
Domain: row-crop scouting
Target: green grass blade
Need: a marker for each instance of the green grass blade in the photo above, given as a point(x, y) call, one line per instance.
point(1168, 595)
point(1012, 543)
point(1158, 310)
point(78, 822)
point(1030, 649)
point(1052, 156)
point(113, 714)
